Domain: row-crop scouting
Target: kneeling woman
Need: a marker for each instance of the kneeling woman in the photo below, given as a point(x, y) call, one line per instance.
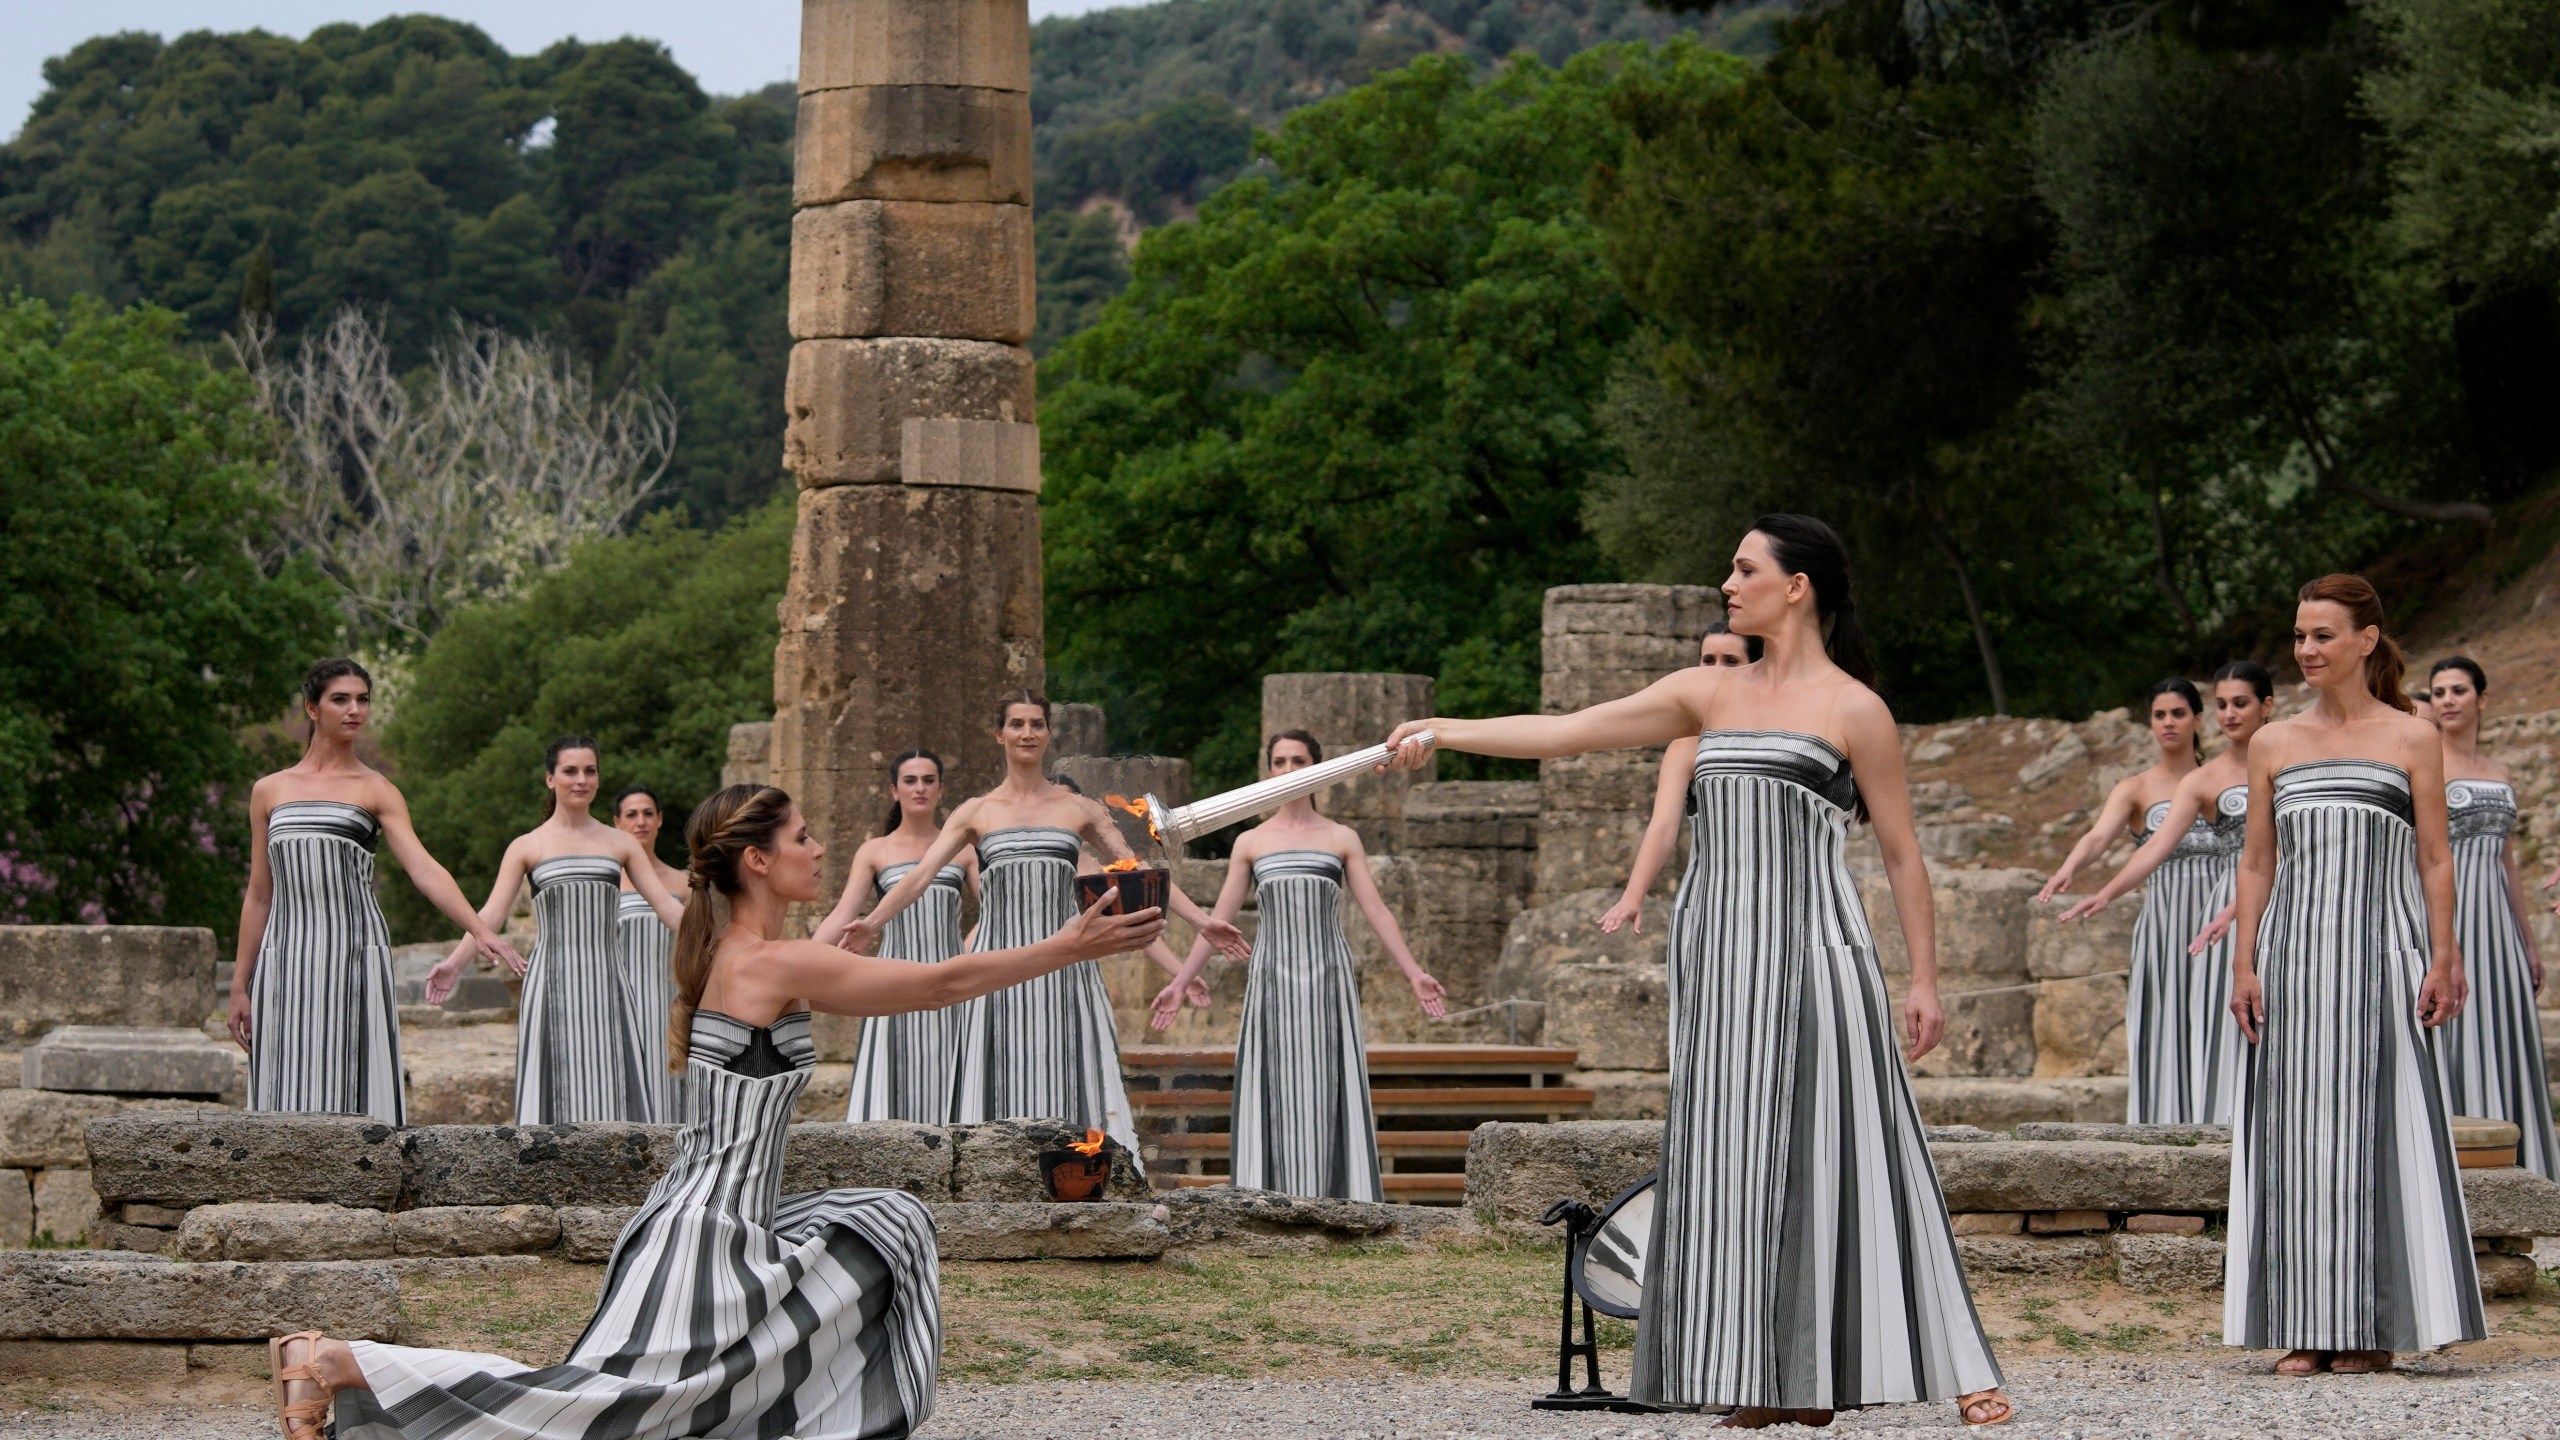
point(1801, 1260)
point(726, 1310)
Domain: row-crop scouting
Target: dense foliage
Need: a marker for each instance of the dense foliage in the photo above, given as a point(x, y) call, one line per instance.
point(655, 643)
point(138, 639)
point(1344, 420)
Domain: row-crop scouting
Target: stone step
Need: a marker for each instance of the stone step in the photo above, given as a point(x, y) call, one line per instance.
point(105, 1295)
point(151, 1060)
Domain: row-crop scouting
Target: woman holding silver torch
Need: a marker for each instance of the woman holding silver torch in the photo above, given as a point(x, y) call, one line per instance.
point(1801, 1261)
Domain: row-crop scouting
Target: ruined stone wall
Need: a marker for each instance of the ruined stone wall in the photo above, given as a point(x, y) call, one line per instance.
point(914, 597)
point(1601, 642)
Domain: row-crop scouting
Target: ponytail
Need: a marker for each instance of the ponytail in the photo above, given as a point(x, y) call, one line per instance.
point(1805, 546)
point(723, 828)
point(2386, 670)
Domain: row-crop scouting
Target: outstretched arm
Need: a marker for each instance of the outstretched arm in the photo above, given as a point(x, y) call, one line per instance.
point(502, 898)
point(1661, 833)
point(842, 984)
point(2256, 881)
point(391, 811)
point(642, 867)
point(1102, 833)
point(1231, 893)
point(1669, 708)
point(857, 883)
point(1364, 890)
point(863, 936)
point(2110, 823)
point(2184, 806)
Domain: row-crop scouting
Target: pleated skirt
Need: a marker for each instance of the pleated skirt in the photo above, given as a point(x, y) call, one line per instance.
point(2179, 1039)
point(2493, 1050)
point(1303, 1121)
point(324, 1014)
point(649, 990)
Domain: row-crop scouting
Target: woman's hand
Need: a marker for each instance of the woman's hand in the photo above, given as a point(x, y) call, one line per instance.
point(1433, 995)
point(495, 946)
point(1227, 940)
point(1628, 911)
point(1403, 756)
point(861, 937)
point(1924, 1024)
point(238, 1019)
point(1101, 930)
point(2059, 884)
point(2249, 1004)
point(446, 975)
point(1167, 1005)
point(2085, 908)
point(2211, 935)
point(2441, 995)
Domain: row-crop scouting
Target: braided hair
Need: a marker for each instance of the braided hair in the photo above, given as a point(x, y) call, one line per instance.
point(720, 833)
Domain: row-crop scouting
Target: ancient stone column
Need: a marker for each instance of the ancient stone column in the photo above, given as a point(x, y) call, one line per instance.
point(915, 572)
point(1600, 642)
point(1345, 710)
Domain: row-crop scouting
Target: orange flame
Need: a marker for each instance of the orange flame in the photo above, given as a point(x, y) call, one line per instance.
point(1121, 866)
point(1137, 808)
point(1091, 1144)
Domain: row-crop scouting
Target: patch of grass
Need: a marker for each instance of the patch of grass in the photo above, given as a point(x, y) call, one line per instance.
point(1164, 1352)
point(2131, 1337)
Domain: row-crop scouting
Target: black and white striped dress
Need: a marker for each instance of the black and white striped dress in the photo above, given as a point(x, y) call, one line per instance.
point(2166, 1059)
point(1046, 1048)
point(728, 1308)
point(2347, 1223)
point(2493, 1049)
point(2220, 1049)
point(576, 1055)
point(1302, 1119)
point(649, 988)
point(324, 1018)
point(902, 1068)
point(1801, 1255)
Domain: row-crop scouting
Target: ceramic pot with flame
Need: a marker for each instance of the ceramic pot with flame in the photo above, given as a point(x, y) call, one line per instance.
point(1141, 887)
point(1077, 1172)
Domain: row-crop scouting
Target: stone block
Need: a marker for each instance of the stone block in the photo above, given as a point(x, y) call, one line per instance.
point(2127, 1134)
point(129, 1060)
point(2079, 1026)
point(863, 268)
point(827, 1096)
point(909, 609)
point(2504, 1276)
point(983, 43)
point(54, 975)
point(1987, 1034)
point(1078, 729)
point(2089, 946)
point(1471, 815)
point(2164, 1224)
point(1021, 1230)
point(2067, 1222)
point(1628, 609)
point(1982, 927)
point(587, 1232)
point(874, 1155)
point(2508, 1202)
point(2000, 1103)
point(1587, 849)
point(2060, 1257)
point(838, 1039)
point(947, 143)
point(999, 1162)
point(2159, 1264)
point(847, 402)
point(1616, 1017)
point(463, 1089)
point(1624, 1094)
point(205, 1157)
point(2003, 1222)
point(1265, 1222)
point(970, 454)
point(66, 1204)
point(1478, 886)
point(1597, 650)
point(282, 1232)
point(40, 1128)
point(2087, 1175)
point(53, 1297)
point(1607, 780)
point(750, 758)
point(475, 1230)
point(593, 1164)
point(1516, 1170)
point(158, 1216)
point(140, 1239)
point(17, 1210)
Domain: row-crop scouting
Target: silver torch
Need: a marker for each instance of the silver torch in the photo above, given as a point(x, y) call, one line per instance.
point(1174, 825)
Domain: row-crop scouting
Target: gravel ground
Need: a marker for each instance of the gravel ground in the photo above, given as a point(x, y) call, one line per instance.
point(2176, 1398)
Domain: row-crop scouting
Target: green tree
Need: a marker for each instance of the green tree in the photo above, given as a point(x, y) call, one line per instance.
point(1344, 421)
point(138, 639)
point(654, 642)
point(1081, 267)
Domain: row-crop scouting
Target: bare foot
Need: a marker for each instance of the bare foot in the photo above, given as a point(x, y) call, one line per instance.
point(2361, 1362)
point(2303, 1362)
point(1985, 1407)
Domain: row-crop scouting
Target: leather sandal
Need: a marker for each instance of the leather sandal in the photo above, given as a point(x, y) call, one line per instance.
point(300, 1419)
point(2304, 1362)
point(2001, 1415)
point(2361, 1362)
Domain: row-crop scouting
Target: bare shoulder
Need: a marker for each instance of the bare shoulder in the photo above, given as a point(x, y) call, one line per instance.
point(1345, 839)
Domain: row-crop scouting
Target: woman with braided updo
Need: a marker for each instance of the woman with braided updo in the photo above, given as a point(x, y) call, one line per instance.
point(726, 1310)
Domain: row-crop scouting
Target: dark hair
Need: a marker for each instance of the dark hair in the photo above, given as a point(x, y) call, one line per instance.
point(1750, 643)
point(1805, 546)
point(1011, 698)
point(2184, 689)
point(895, 810)
point(2386, 669)
point(315, 683)
point(2465, 664)
point(551, 757)
point(1315, 747)
point(2250, 673)
point(627, 791)
point(729, 824)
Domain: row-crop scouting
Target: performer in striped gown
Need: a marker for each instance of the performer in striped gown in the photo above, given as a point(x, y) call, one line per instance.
point(902, 1068)
point(1303, 1123)
point(648, 947)
point(1801, 1260)
point(2493, 1049)
point(1045, 1049)
point(1719, 646)
point(727, 1309)
point(2183, 1050)
point(578, 1053)
point(2348, 1238)
point(311, 988)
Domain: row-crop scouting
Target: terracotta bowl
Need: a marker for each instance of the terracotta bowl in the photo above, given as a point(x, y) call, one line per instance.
point(1139, 889)
point(1074, 1175)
